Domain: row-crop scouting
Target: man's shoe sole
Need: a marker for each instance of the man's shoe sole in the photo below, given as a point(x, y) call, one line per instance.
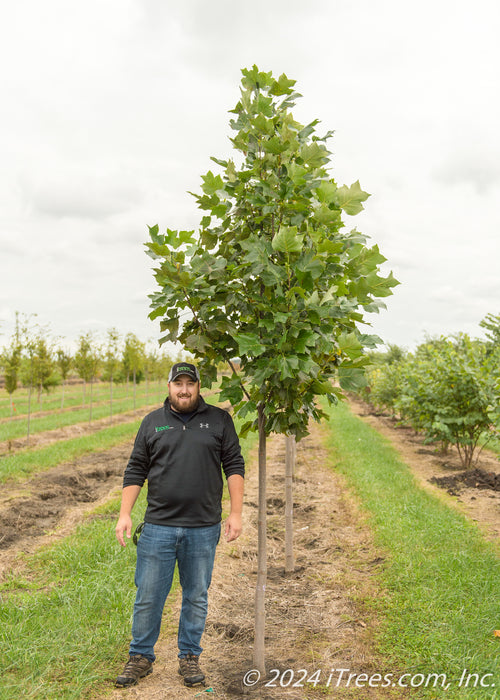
point(130, 685)
point(190, 684)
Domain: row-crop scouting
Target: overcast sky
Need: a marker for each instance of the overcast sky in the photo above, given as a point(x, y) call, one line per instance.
point(111, 110)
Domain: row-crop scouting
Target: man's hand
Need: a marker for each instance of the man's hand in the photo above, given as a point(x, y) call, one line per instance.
point(235, 484)
point(123, 525)
point(232, 528)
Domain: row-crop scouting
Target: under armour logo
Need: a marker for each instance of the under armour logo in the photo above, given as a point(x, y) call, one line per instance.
point(203, 425)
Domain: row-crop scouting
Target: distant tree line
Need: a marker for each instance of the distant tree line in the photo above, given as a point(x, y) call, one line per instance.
point(39, 362)
point(448, 388)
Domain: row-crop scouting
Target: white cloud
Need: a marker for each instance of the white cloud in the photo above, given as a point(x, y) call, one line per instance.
point(111, 111)
point(72, 194)
point(475, 164)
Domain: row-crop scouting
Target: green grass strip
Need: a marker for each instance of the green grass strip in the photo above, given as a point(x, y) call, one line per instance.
point(441, 581)
point(18, 429)
point(24, 463)
point(74, 397)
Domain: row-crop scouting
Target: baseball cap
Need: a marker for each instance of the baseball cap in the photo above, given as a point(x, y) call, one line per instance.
point(184, 368)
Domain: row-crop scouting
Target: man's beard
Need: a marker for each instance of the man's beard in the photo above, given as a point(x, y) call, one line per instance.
point(184, 406)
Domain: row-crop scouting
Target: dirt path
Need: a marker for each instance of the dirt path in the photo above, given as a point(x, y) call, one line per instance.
point(47, 506)
point(476, 493)
point(313, 621)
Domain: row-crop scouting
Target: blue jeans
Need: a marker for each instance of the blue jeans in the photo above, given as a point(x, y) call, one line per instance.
point(158, 549)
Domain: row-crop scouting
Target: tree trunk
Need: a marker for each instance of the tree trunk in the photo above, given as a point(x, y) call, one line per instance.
point(111, 399)
point(260, 592)
point(90, 402)
point(29, 414)
point(289, 472)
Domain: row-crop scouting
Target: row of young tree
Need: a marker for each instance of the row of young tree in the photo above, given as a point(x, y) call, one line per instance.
point(448, 388)
point(37, 361)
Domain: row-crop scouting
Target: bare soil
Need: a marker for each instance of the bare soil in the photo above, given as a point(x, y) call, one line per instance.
point(316, 618)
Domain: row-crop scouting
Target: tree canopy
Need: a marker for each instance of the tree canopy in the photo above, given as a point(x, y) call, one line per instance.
point(272, 277)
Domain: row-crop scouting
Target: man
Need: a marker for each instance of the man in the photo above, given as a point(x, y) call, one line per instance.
point(180, 449)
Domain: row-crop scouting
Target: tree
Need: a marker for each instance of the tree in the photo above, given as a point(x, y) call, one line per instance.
point(111, 363)
point(64, 362)
point(449, 391)
point(151, 367)
point(37, 365)
point(290, 459)
point(492, 325)
point(87, 363)
point(44, 376)
point(10, 361)
point(133, 359)
point(272, 280)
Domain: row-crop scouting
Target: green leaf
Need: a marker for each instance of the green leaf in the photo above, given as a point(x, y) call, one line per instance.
point(349, 345)
point(209, 239)
point(282, 86)
point(322, 387)
point(171, 325)
point(255, 79)
point(287, 240)
point(314, 154)
point(197, 342)
point(288, 367)
point(211, 183)
point(304, 339)
point(349, 198)
point(325, 215)
point(249, 344)
point(326, 191)
point(275, 145)
point(231, 390)
point(351, 378)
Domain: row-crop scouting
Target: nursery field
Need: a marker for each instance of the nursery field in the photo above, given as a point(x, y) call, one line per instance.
point(395, 591)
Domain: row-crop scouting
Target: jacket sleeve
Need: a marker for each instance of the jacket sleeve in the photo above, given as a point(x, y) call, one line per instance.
point(138, 465)
point(231, 457)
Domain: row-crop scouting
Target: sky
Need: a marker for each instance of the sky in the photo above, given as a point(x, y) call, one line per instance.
point(111, 110)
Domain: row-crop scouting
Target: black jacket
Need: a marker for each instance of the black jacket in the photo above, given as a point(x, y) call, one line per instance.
point(182, 464)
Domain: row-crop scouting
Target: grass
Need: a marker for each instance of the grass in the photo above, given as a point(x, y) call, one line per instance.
point(441, 584)
point(18, 429)
point(74, 398)
point(53, 417)
point(65, 622)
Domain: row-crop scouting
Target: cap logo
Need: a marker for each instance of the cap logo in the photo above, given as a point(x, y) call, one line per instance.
point(183, 368)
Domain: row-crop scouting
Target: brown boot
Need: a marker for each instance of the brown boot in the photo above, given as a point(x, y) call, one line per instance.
point(190, 670)
point(136, 667)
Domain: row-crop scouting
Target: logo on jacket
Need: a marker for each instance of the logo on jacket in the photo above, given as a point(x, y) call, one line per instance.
point(203, 425)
